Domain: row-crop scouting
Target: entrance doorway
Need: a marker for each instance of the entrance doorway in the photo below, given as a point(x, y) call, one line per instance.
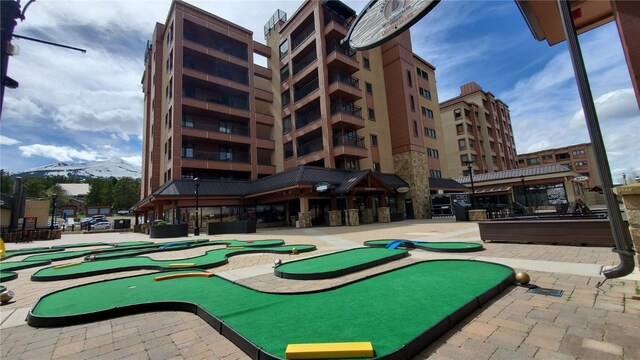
point(408, 205)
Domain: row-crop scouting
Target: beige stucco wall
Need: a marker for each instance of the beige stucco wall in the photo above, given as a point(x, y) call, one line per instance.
point(5, 217)
point(39, 209)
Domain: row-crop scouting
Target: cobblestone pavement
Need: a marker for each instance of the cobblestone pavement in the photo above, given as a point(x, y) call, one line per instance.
point(585, 323)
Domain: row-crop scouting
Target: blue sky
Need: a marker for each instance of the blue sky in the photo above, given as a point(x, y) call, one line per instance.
point(85, 107)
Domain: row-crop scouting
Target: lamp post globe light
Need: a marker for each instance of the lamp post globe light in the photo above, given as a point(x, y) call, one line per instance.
point(624, 178)
point(196, 230)
point(469, 164)
point(53, 210)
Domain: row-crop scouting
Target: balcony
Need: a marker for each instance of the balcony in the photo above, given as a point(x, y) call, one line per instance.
point(344, 86)
point(346, 115)
point(226, 156)
point(214, 40)
point(302, 36)
point(341, 57)
point(209, 124)
point(305, 118)
point(335, 25)
point(348, 144)
point(309, 147)
point(303, 91)
point(216, 97)
point(301, 64)
point(216, 67)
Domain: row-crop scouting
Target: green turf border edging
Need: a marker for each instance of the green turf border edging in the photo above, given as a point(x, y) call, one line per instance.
point(404, 351)
point(337, 272)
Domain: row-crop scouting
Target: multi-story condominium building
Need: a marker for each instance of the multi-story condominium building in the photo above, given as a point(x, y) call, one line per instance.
point(211, 114)
point(579, 158)
point(477, 131)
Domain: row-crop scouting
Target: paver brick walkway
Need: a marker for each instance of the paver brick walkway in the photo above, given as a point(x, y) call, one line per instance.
point(585, 323)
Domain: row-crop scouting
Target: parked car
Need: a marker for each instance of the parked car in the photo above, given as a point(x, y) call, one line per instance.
point(55, 225)
point(101, 225)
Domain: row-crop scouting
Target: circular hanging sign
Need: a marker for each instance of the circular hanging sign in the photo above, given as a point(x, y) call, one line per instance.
point(402, 190)
point(382, 20)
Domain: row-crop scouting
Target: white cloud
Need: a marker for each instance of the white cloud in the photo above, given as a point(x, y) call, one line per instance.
point(617, 105)
point(59, 153)
point(5, 140)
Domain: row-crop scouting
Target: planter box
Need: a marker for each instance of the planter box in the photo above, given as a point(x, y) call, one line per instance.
point(169, 231)
point(235, 227)
point(576, 231)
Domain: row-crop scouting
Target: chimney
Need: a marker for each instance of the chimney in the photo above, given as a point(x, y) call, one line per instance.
point(469, 88)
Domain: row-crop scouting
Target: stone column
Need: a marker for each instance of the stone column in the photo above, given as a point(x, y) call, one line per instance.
point(335, 218)
point(304, 218)
point(367, 216)
point(352, 217)
point(631, 197)
point(384, 215)
point(477, 215)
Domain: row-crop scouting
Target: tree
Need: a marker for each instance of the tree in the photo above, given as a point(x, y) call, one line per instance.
point(100, 192)
point(126, 192)
point(6, 182)
point(62, 197)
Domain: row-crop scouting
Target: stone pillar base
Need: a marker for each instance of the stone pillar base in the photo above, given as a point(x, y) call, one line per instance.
point(631, 198)
point(335, 218)
point(384, 215)
point(304, 219)
point(352, 217)
point(477, 215)
point(367, 216)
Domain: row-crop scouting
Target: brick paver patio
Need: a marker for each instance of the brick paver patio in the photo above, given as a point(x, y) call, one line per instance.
point(585, 323)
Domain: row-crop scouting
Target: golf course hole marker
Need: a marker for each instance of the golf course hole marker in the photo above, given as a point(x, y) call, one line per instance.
point(330, 350)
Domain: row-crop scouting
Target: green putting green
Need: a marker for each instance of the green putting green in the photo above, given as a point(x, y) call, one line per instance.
point(338, 264)
point(210, 259)
point(400, 312)
point(40, 250)
point(451, 246)
point(8, 268)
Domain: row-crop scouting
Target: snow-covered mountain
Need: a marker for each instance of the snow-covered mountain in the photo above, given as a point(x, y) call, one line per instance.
point(97, 169)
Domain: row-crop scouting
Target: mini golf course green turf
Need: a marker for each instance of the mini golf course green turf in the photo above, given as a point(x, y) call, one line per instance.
point(210, 259)
point(451, 246)
point(8, 268)
point(338, 264)
point(41, 250)
point(400, 311)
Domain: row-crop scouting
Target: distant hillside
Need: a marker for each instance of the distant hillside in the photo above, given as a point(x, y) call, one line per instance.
point(98, 169)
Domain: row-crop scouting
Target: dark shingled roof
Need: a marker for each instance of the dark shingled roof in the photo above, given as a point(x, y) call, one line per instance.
point(309, 175)
point(444, 183)
point(515, 173)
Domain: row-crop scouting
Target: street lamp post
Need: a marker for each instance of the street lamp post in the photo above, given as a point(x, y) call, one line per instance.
point(524, 193)
point(196, 231)
point(469, 164)
point(624, 178)
point(53, 209)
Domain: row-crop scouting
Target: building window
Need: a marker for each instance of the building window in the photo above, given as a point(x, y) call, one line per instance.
point(424, 111)
point(462, 144)
point(457, 113)
point(430, 132)
point(284, 49)
point(166, 119)
point(374, 140)
point(425, 75)
point(286, 98)
point(369, 87)
point(547, 157)
point(464, 158)
point(225, 153)
point(187, 121)
point(284, 73)
point(413, 103)
point(409, 78)
point(581, 163)
point(376, 166)
point(286, 124)
point(365, 63)
point(372, 114)
point(425, 93)
point(533, 161)
point(429, 113)
point(433, 153)
point(288, 150)
point(415, 128)
point(187, 151)
point(577, 152)
point(460, 129)
point(169, 155)
point(435, 173)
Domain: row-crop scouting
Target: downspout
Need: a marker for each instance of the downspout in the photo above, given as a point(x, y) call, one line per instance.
point(623, 244)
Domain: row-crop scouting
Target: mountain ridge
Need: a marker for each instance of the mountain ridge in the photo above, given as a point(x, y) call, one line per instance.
point(115, 167)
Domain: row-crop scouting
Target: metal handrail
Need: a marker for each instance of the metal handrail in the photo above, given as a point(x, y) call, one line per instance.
point(334, 45)
point(307, 89)
point(344, 78)
point(345, 107)
point(233, 156)
point(310, 147)
point(203, 123)
point(215, 98)
point(302, 36)
point(304, 62)
point(307, 118)
point(216, 70)
point(347, 140)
